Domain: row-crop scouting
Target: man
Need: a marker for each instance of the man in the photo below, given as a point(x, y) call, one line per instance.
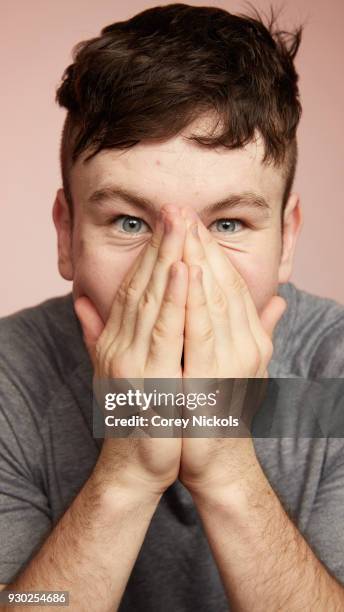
point(177, 226)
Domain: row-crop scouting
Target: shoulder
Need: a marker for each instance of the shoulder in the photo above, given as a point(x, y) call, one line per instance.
point(38, 347)
point(309, 339)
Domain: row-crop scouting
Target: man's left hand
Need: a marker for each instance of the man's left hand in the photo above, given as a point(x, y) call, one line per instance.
point(225, 338)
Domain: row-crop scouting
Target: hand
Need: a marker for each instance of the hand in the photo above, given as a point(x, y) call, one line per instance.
point(147, 315)
point(224, 338)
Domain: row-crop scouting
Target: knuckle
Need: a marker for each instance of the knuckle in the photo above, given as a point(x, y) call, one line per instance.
point(163, 258)
point(107, 363)
point(154, 241)
point(200, 304)
point(147, 301)
point(163, 329)
point(121, 295)
point(102, 347)
point(238, 284)
point(206, 335)
point(117, 367)
point(110, 363)
point(133, 285)
point(159, 332)
point(220, 301)
point(131, 293)
point(99, 351)
point(169, 300)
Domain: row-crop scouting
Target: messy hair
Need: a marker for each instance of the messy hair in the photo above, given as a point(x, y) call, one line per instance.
point(150, 76)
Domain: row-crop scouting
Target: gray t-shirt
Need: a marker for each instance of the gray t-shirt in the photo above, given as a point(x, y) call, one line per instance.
point(47, 450)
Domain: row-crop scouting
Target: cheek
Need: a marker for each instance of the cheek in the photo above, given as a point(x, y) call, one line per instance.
point(260, 272)
point(98, 273)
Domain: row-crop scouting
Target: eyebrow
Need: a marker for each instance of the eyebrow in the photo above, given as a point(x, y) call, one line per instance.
point(248, 199)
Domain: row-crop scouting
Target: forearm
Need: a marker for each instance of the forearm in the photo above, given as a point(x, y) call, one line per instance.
point(93, 548)
point(264, 561)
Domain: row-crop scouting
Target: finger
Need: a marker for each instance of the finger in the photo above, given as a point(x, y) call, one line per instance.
point(167, 338)
point(123, 310)
point(170, 251)
point(194, 255)
point(229, 316)
point(272, 314)
point(243, 311)
point(268, 320)
point(247, 330)
point(199, 340)
point(91, 323)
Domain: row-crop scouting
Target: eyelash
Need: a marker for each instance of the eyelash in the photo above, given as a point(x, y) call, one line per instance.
point(117, 217)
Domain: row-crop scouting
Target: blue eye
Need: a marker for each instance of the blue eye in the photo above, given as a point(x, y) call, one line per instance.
point(131, 225)
point(227, 226)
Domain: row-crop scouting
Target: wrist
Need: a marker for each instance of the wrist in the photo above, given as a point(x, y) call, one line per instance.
point(125, 489)
point(216, 467)
point(237, 496)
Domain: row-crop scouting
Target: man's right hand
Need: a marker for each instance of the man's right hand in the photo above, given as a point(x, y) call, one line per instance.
point(142, 338)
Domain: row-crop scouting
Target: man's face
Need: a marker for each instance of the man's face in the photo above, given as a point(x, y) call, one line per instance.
point(102, 248)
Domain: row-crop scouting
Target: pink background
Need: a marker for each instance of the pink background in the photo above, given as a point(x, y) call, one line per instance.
point(36, 42)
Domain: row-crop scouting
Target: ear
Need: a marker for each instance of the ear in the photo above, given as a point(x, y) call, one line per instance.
point(292, 223)
point(63, 225)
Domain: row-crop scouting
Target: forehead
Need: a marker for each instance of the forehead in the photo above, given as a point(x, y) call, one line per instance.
point(180, 171)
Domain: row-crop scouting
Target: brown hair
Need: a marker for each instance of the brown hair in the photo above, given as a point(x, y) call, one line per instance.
point(149, 77)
